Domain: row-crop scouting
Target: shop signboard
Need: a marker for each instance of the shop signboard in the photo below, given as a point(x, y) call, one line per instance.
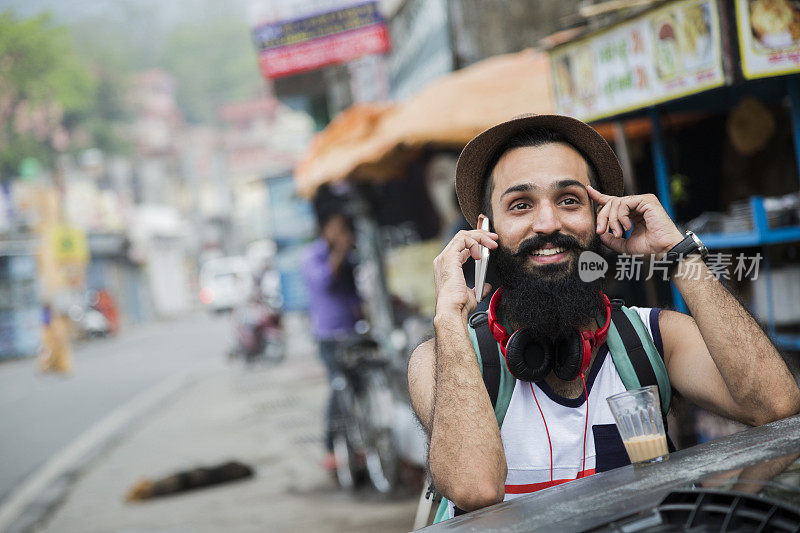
point(665, 54)
point(292, 217)
point(289, 264)
point(769, 37)
point(288, 47)
point(293, 226)
point(69, 245)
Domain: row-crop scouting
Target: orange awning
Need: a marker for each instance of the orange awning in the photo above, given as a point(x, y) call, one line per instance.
point(374, 142)
point(333, 151)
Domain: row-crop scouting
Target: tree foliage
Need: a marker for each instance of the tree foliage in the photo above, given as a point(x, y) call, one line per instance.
point(39, 63)
point(44, 73)
point(80, 74)
point(42, 79)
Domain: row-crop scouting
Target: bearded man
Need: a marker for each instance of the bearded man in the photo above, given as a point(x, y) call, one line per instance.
point(551, 188)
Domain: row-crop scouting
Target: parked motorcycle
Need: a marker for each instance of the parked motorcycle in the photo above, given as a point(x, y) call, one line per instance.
point(258, 332)
point(86, 312)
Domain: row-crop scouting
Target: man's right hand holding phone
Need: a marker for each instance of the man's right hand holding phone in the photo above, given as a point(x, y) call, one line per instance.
point(452, 293)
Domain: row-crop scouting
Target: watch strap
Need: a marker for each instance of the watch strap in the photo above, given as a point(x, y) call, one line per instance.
point(687, 246)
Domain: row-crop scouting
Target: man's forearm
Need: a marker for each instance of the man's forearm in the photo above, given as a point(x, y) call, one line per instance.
point(466, 455)
point(753, 371)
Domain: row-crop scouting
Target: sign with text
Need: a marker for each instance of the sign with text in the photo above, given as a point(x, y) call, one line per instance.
point(69, 245)
point(769, 37)
point(293, 226)
point(664, 54)
point(292, 217)
point(294, 46)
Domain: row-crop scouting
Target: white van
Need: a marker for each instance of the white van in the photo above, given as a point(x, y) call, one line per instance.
point(224, 283)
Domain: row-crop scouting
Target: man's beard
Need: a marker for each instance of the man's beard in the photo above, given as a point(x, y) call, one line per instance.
point(549, 298)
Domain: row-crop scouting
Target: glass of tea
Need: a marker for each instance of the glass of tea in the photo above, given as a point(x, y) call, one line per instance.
point(637, 413)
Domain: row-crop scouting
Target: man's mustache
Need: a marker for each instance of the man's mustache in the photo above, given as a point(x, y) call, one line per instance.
point(558, 240)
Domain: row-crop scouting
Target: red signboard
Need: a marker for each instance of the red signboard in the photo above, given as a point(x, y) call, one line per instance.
point(291, 47)
point(310, 55)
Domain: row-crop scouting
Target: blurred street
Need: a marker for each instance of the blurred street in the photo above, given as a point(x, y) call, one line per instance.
point(269, 417)
point(44, 413)
point(219, 222)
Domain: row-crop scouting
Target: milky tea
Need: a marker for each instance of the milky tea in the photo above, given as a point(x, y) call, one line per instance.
point(637, 413)
point(646, 447)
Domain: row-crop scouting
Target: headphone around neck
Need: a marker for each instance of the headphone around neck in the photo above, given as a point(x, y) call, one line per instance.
point(531, 359)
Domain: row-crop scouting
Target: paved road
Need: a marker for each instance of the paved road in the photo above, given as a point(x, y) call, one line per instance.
point(41, 414)
point(269, 418)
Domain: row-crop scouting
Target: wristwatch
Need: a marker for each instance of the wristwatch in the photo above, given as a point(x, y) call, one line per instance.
point(691, 244)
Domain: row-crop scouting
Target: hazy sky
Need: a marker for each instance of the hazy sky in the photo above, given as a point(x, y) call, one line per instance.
point(163, 13)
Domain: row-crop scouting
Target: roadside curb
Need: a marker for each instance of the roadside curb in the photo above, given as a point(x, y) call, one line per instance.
point(29, 503)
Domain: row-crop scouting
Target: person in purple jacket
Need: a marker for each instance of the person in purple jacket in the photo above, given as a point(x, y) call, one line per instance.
point(334, 305)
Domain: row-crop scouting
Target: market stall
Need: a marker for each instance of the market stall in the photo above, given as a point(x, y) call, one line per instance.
point(729, 171)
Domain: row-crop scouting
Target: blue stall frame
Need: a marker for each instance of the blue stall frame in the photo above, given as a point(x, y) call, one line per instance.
point(761, 234)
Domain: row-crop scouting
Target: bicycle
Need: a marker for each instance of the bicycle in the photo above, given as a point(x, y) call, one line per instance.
point(363, 440)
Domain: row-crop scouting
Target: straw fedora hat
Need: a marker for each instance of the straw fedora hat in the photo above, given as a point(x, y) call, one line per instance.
point(471, 169)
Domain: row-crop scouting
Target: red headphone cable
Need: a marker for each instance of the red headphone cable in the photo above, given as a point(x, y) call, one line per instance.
point(549, 442)
point(547, 431)
point(585, 426)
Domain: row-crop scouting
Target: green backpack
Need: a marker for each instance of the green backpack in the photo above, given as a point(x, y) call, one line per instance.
point(632, 349)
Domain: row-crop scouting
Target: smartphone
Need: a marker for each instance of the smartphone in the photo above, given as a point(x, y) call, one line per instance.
point(481, 265)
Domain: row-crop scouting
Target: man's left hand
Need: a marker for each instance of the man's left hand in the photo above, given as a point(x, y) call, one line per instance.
point(653, 230)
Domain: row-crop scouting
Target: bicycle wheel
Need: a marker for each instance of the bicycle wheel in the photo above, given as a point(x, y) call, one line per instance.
point(382, 457)
point(346, 438)
point(343, 456)
point(382, 462)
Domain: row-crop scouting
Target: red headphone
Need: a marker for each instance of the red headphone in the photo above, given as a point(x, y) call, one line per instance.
point(532, 359)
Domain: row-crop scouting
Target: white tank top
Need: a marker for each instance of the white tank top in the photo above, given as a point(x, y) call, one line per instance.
point(525, 438)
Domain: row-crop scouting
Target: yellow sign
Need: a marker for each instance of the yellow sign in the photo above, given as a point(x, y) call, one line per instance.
point(665, 54)
point(769, 37)
point(69, 245)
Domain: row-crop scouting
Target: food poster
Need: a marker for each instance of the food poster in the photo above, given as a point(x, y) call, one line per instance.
point(769, 37)
point(667, 53)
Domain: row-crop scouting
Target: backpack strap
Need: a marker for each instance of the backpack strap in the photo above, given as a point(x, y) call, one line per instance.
point(496, 376)
point(635, 355)
point(443, 512)
point(490, 359)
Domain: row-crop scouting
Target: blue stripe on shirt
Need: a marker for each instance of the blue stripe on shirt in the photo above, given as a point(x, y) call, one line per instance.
point(656, 331)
